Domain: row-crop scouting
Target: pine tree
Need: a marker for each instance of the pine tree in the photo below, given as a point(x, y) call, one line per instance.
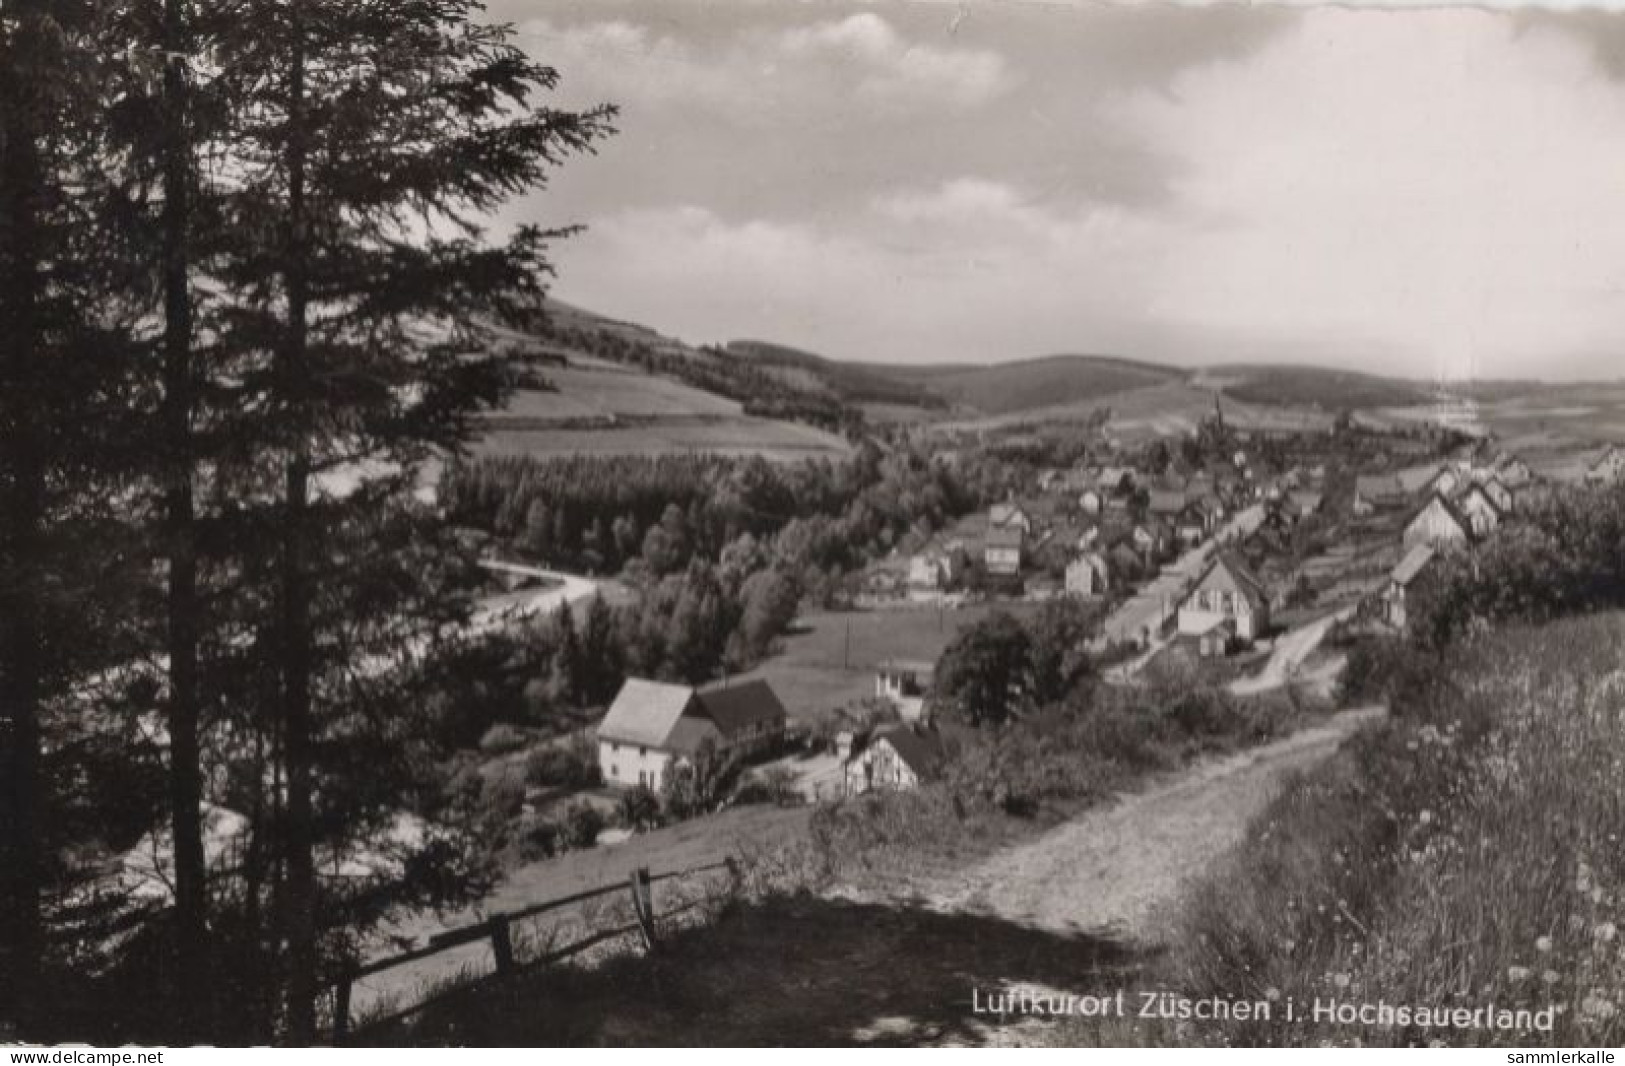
point(63, 346)
point(372, 137)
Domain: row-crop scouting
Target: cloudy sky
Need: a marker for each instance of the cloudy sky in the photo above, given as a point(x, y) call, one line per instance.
point(1439, 193)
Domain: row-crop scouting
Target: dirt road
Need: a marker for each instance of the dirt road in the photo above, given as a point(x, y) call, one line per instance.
point(1289, 654)
point(1108, 871)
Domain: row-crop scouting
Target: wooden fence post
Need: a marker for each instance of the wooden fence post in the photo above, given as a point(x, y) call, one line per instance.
point(501, 943)
point(341, 1009)
point(643, 906)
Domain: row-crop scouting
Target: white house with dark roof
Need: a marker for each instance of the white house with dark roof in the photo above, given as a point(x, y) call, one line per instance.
point(1010, 516)
point(1088, 575)
point(899, 757)
point(1480, 509)
point(1439, 523)
point(1396, 596)
point(1227, 593)
point(653, 725)
point(1002, 551)
point(1608, 466)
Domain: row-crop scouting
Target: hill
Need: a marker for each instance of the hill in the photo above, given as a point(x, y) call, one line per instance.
point(1310, 386)
point(854, 383)
point(615, 388)
point(1029, 384)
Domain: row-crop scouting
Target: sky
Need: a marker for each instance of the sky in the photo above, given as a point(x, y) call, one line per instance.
point(1437, 193)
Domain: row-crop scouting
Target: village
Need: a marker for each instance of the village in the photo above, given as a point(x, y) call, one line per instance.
point(1240, 568)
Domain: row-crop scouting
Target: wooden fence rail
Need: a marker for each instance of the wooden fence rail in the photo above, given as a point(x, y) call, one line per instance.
point(498, 929)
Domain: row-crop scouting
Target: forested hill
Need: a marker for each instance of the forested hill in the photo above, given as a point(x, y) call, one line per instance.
point(773, 380)
point(763, 388)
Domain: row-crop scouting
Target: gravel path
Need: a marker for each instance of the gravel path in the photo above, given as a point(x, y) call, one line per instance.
point(1108, 871)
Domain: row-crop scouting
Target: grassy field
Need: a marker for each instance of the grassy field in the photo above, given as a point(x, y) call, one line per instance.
point(829, 659)
point(742, 831)
point(602, 408)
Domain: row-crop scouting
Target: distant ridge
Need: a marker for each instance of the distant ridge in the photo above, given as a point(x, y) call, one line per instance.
point(1029, 384)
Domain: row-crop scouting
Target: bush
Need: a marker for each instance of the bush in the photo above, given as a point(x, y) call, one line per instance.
point(776, 784)
point(540, 838)
point(572, 765)
point(639, 808)
point(502, 739)
point(582, 824)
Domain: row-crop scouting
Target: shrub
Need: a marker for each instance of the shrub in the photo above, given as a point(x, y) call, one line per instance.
point(775, 784)
point(501, 739)
point(571, 765)
point(639, 808)
point(540, 838)
point(582, 824)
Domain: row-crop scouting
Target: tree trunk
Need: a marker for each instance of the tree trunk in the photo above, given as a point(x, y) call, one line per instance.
point(300, 897)
point(22, 537)
point(194, 984)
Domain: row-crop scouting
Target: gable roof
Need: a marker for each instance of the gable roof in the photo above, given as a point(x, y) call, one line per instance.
point(1477, 488)
point(740, 705)
point(645, 712)
point(1226, 573)
point(1003, 513)
point(1415, 561)
point(1439, 502)
point(921, 751)
point(1004, 538)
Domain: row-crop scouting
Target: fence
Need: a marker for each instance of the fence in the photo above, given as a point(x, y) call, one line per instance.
point(498, 929)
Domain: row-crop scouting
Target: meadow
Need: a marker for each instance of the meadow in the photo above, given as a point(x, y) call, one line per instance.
point(828, 659)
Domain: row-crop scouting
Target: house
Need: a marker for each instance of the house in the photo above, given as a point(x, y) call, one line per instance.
point(1001, 552)
point(1010, 516)
point(905, 684)
point(1608, 467)
point(1402, 582)
point(1151, 538)
point(1088, 575)
point(1166, 502)
point(1439, 524)
point(1512, 471)
point(1305, 503)
point(899, 757)
point(1114, 480)
point(938, 568)
point(1213, 511)
point(1091, 501)
point(1480, 510)
point(1190, 525)
point(1218, 640)
point(1372, 492)
point(1226, 591)
point(1445, 482)
point(653, 726)
point(1496, 489)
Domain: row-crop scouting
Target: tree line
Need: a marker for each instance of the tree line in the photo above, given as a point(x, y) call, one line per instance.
point(243, 276)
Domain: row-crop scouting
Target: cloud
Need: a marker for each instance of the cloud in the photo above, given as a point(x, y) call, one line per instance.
point(859, 65)
point(964, 269)
point(891, 71)
point(1435, 183)
point(1431, 192)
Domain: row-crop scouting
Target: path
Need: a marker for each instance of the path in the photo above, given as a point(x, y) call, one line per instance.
point(562, 588)
point(1111, 869)
point(1290, 652)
